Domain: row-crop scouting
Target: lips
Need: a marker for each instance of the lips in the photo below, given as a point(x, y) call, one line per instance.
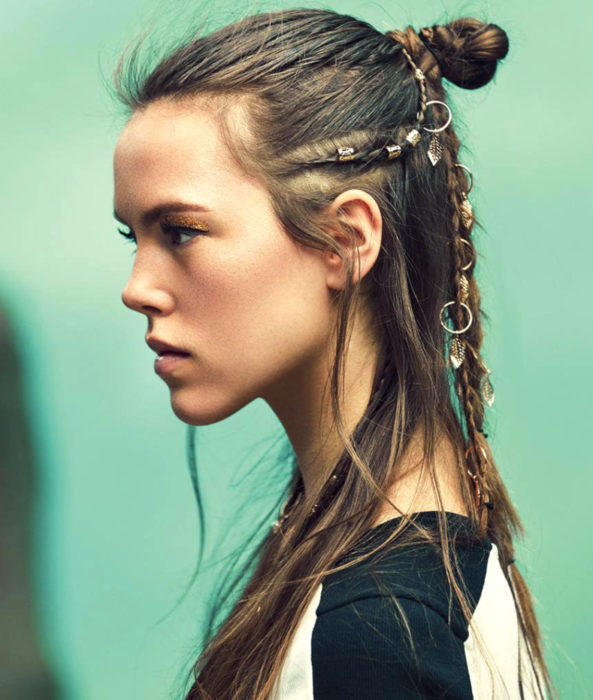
point(163, 348)
point(169, 362)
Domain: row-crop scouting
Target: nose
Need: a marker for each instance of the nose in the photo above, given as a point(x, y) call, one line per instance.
point(144, 294)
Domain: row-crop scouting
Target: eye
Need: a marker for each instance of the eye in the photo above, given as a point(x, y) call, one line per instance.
point(180, 235)
point(129, 236)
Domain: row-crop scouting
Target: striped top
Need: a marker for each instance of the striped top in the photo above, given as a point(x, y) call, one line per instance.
point(351, 645)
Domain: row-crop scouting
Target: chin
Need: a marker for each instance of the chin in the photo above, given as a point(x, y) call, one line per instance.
point(194, 408)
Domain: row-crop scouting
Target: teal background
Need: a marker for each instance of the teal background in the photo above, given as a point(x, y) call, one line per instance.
point(116, 527)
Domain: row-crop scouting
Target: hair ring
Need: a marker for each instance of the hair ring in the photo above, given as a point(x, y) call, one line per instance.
point(450, 117)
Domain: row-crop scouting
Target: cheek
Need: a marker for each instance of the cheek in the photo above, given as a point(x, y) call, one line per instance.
point(259, 309)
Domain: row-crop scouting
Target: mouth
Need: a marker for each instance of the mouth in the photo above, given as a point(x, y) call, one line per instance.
point(168, 361)
point(181, 353)
point(163, 348)
point(169, 357)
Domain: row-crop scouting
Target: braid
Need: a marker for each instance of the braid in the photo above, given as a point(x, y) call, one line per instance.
point(469, 375)
point(465, 312)
point(296, 492)
point(421, 85)
point(491, 506)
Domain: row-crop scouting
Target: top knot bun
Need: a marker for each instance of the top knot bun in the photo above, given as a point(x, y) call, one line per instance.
point(467, 50)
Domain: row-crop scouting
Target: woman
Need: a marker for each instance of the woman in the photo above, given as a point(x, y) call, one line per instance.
point(304, 235)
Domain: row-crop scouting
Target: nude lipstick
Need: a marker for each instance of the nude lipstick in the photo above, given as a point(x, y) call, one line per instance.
point(169, 356)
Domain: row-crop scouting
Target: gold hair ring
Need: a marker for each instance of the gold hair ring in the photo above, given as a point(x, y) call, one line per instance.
point(471, 176)
point(471, 262)
point(452, 330)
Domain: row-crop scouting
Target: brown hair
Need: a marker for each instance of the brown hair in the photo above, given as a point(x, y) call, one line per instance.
point(308, 82)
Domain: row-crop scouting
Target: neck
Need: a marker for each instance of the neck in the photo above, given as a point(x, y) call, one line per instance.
point(302, 402)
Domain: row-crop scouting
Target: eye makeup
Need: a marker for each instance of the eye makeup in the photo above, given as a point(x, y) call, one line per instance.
point(174, 226)
point(185, 221)
point(177, 225)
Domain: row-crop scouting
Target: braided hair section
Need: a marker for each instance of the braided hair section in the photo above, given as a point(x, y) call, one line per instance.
point(466, 52)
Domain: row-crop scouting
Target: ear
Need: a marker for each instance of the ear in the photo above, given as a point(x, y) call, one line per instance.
point(358, 211)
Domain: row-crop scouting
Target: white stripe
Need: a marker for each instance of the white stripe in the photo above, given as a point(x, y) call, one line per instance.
point(296, 678)
point(496, 620)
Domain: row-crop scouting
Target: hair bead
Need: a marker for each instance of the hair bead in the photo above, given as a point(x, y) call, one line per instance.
point(345, 153)
point(413, 137)
point(393, 151)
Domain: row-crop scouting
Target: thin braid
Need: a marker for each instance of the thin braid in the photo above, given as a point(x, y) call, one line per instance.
point(468, 380)
point(421, 84)
point(377, 151)
point(296, 494)
point(469, 375)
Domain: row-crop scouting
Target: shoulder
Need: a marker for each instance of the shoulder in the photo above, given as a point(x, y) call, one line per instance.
point(368, 649)
point(413, 572)
point(392, 629)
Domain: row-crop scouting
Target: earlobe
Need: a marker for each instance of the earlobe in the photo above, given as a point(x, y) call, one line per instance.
point(358, 229)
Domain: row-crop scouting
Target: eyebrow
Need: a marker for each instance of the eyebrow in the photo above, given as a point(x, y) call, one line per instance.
point(152, 214)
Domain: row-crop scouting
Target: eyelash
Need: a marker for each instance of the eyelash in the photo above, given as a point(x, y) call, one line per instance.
point(169, 230)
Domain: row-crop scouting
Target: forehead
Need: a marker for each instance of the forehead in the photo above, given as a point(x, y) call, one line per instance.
point(172, 148)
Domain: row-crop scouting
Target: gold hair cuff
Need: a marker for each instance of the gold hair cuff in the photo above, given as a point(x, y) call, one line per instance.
point(345, 154)
point(413, 136)
point(393, 151)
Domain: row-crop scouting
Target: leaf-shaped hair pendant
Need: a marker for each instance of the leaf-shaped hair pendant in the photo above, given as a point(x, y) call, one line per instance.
point(463, 288)
point(487, 390)
point(435, 149)
point(466, 213)
point(456, 352)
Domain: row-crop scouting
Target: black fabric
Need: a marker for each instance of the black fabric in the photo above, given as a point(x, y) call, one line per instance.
point(360, 645)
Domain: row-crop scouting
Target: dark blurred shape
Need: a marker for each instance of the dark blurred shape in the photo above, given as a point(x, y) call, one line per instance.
point(24, 674)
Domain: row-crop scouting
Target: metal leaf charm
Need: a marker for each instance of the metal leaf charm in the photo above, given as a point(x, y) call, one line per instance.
point(456, 353)
point(435, 149)
point(464, 287)
point(487, 389)
point(466, 213)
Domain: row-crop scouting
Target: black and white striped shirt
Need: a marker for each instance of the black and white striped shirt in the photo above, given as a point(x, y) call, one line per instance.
point(350, 645)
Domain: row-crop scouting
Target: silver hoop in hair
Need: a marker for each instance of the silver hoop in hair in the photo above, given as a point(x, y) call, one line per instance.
point(452, 330)
point(440, 128)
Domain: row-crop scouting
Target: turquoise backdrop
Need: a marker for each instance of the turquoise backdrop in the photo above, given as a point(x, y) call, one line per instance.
point(116, 528)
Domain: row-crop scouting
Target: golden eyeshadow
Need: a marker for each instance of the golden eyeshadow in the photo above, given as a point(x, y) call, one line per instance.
point(185, 220)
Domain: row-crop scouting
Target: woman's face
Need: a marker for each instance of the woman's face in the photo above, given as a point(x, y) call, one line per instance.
point(214, 272)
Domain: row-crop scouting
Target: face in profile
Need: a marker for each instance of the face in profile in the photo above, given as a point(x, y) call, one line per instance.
point(214, 272)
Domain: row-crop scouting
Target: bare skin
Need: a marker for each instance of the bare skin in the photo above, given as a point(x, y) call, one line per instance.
point(412, 492)
point(231, 287)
